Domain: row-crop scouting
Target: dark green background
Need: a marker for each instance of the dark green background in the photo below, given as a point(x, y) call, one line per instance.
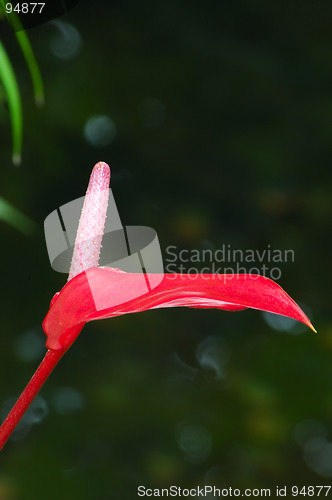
point(243, 157)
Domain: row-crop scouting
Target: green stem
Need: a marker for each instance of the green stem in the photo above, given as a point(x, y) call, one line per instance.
point(8, 79)
point(36, 78)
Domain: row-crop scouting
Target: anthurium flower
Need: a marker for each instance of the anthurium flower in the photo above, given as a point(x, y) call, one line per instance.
point(94, 292)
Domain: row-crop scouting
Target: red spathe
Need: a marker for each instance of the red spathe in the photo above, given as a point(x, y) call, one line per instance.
point(104, 292)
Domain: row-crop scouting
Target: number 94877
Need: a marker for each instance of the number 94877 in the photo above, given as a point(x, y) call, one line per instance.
point(25, 8)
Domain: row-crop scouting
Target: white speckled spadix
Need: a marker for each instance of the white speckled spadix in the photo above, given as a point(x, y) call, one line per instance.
point(92, 221)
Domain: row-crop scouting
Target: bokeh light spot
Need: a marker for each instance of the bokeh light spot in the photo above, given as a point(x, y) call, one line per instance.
point(99, 131)
point(196, 442)
point(213, 353)
point(36, 412)
point(283, 323)
point(68, 400)
point(29, 346)
point(66, 42)
point(317, 454)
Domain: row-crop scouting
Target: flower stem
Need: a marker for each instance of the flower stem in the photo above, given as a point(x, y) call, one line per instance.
point(46, 366)
point(85, 255)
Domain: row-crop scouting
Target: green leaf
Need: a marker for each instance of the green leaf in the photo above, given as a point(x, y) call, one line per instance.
point(8, 79)
point(16, 218)
point(2, 9)
point(29, 56)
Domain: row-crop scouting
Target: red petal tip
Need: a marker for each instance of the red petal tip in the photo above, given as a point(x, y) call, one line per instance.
point(312, 327)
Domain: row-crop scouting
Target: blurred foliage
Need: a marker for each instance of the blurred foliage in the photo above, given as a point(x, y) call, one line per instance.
point(219, 132)
point(8, 83)
point(15, 218)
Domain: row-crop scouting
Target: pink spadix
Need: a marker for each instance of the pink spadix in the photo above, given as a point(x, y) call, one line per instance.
point(92, 222)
